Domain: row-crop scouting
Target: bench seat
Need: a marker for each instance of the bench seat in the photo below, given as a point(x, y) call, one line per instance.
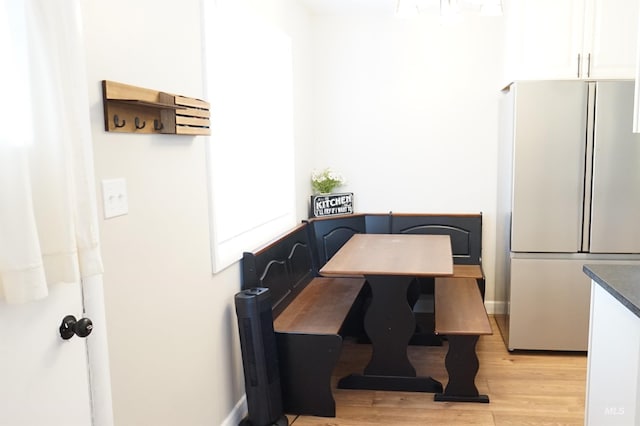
point(309, 314)
point(468, 271)
point(321, 307)
point(459, 307)
point(461, 316)
point(309, 342)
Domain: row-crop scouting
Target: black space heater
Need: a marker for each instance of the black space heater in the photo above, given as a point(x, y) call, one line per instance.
point(259, 359)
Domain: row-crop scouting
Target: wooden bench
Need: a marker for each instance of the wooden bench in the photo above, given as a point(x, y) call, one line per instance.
point(465, 230)
point(309, 314)
point(312, 313)
point(461, 316)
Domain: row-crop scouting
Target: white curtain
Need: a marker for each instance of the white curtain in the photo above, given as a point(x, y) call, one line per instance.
point(48, 217)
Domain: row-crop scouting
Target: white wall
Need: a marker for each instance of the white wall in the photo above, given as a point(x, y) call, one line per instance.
point(173, 345)
point(407, 110)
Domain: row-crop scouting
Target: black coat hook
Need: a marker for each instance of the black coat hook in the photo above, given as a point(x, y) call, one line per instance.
point(137, 123)
point(117, 123)
point(157, 125)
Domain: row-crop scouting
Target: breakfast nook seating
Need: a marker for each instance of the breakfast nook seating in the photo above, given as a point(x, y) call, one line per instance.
point(313, 313)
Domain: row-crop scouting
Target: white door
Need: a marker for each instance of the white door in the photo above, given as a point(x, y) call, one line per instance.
point(44, 379)
point(47, 216)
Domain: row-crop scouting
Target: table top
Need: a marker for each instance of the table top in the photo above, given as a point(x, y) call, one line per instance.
point(392, 254)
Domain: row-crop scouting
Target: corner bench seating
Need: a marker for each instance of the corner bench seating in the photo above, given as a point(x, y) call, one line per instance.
point(309, 313)
point(465, 231)
point(452, 307)
point(312, 313)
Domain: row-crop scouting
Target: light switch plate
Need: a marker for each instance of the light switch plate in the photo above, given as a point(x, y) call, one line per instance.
point(114, 196)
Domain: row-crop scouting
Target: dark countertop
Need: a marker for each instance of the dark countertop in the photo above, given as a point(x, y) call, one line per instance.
point(621, 281)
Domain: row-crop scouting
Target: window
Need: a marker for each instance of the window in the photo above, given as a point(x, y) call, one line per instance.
point(251, 162)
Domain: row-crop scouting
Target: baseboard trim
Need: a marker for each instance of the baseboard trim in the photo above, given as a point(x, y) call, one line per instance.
point(494, 307)
point(238, 413)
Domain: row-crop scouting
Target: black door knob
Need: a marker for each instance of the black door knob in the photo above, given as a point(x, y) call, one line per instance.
point(71, 326)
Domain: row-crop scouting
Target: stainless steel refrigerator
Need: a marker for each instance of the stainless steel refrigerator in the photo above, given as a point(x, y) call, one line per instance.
point(568, 195)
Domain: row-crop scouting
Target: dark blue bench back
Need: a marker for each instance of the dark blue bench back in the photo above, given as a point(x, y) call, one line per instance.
point(288, 264)
point(284, 266)
point(329, 234)
point(465, 231)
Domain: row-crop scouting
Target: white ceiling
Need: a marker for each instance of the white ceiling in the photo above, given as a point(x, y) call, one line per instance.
point(374, 7)
point(349, 7)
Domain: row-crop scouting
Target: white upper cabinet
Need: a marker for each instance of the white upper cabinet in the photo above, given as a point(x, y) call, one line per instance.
point(568, 39)
point(611, 38)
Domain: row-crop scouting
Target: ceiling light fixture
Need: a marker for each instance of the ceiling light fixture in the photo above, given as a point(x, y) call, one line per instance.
point(450, 11)
point(491, 8)
point(407, 9)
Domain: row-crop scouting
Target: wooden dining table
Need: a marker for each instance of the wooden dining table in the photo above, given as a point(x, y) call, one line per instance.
point(390, 262)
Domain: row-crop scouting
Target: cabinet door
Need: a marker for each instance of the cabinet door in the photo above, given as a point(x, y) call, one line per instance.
point(544, 38)
point(549, 39)
point(610, 39)
point(612, 373)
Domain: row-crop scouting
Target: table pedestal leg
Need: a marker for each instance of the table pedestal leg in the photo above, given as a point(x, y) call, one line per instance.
point(462, 365)
point(389, 323)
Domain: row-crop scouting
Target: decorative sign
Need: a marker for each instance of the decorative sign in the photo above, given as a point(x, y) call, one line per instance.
point(332, 204)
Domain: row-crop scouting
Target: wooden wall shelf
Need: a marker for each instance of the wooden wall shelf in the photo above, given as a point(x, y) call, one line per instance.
point(131, 109)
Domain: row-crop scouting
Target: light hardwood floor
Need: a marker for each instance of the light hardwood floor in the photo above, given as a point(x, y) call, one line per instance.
point(525, 388)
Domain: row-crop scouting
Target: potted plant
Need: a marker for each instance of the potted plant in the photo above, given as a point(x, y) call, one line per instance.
point(325, 181)
point(325, 202)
